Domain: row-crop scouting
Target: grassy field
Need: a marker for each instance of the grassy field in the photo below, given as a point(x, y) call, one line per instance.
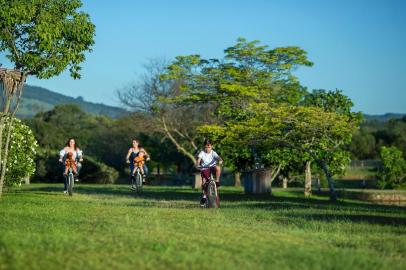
point(106, 227)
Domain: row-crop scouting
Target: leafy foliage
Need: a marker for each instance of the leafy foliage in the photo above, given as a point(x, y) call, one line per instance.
point(21, 157)
point(44, 37)
point(393, 171)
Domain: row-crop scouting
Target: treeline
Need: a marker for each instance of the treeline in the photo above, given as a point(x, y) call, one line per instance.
point(372, 135)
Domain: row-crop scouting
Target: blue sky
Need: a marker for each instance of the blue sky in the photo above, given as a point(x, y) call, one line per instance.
point(357, 46)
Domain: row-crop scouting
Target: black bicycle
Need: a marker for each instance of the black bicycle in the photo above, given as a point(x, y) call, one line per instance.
point(213, 199)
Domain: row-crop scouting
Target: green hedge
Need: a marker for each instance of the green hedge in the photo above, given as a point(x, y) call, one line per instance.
point(93, 171)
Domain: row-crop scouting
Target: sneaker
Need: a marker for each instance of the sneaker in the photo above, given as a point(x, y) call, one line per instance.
point(217, 183)
point(76, 179)
point(132, 187)
point(65, 192)
point(203, 201)
point(143, 179)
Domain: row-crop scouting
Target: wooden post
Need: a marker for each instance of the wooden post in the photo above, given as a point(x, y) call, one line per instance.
point(308, 180)
point(198, 180)
point(285, 182)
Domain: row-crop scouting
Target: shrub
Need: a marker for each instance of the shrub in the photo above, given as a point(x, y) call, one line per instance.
point(93, 171)
point(393, 171)
point(22, 151)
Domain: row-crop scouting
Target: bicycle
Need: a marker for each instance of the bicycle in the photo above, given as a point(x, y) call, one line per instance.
point(70, 181)
point(213, 199)
point(136, 181)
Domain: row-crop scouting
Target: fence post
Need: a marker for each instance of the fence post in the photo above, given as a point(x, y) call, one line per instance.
point(198, 180)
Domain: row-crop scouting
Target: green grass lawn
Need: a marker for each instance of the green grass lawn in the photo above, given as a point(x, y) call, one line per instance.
point(106, 227)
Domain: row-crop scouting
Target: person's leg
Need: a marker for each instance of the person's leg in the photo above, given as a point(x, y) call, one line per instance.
point(145, 169)
point(131, 174)
point(78, 168)
point(218, 174)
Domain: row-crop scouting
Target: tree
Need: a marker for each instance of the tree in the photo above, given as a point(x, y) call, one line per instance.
point(304, 130)
point(146, 98)
point(248, 74)
point(330, 101)
point(42, 38)
point(393, 171)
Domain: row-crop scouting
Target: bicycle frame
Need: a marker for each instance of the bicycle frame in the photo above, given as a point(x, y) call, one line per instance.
point(210, 187)
point(137, 180)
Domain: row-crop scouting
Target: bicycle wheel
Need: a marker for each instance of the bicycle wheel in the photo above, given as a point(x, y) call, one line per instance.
point(138, 182)
point(70, 183)
point(212, 195)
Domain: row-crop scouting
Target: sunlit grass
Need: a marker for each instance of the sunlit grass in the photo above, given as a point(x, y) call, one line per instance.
point(107, 227)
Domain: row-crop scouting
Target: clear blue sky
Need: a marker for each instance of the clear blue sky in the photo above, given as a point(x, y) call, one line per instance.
point(357, 46)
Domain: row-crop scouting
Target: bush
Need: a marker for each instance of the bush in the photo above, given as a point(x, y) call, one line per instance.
point(93, 171)
point(22, 151)
point(393, 171)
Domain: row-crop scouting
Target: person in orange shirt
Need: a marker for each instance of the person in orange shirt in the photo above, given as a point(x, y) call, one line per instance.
point(139, 162)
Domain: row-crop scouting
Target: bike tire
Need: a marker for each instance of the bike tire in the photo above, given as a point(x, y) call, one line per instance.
point(138, 182)
point(70, 184)
point(212, 196)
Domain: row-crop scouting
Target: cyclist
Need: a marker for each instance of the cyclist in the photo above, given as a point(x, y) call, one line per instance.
point(134, 152)
point(210, 162)
point(71, 156)
point(139, 162)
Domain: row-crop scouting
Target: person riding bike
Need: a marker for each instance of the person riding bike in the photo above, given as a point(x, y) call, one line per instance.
point(139, 162)
point(210, 163)
point(132, 154)
point(71, 156)
point(70, 162)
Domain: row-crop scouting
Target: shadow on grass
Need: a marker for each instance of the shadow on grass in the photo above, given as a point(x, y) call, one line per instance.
point(337, 217)
point(154, 196)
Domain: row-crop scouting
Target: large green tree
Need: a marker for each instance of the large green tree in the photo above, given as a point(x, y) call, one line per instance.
point(257, 102)
point(42, 38)
point(248, 74)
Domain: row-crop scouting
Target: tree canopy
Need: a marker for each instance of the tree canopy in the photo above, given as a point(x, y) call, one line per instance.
point(44, 37)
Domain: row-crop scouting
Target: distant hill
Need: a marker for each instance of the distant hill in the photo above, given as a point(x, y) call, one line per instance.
point(383, 117)
point(37, 99)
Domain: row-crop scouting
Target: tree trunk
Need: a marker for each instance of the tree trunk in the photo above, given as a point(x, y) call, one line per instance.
point(5, 153)
point(237, 177)
point(323, 165)
point(158, 170)
point(285, 182)
point(11, 84)
point(308, 179)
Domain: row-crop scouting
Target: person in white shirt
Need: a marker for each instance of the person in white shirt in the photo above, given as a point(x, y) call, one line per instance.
point(77, 155)
point(209, 162)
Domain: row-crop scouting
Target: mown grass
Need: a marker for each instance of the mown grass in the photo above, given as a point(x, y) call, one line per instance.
point(106, 227)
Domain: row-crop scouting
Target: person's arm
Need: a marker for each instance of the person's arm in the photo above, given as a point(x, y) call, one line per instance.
point(61, 154)
point(79, 154)
point(146, 154)
point(219, 159)
point(127, 158)
point(199, 159)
